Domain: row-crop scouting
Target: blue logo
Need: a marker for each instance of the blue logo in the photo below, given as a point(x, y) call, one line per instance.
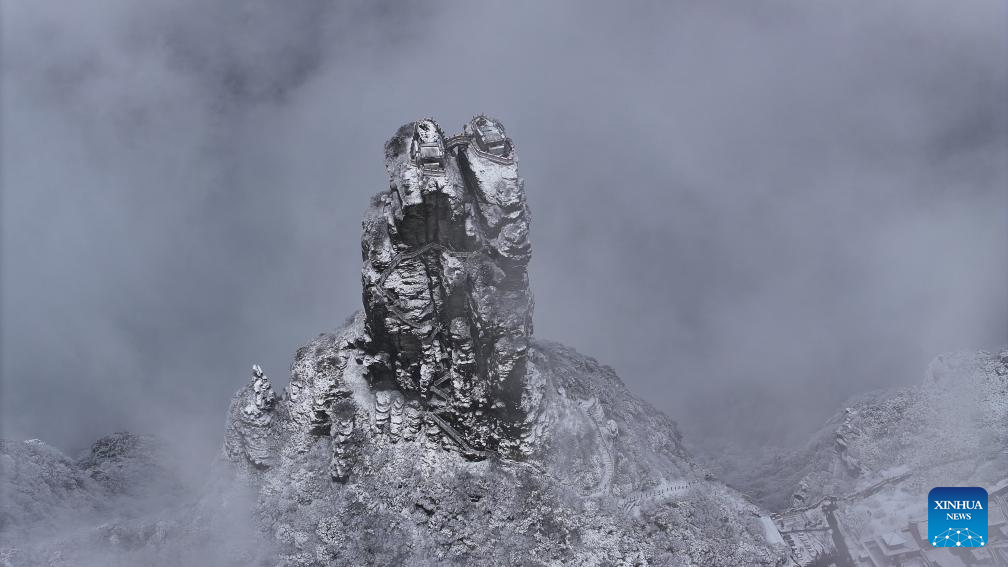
point(957, 516)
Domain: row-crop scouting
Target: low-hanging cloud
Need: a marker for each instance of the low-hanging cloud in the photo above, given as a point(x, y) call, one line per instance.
point(751, 211)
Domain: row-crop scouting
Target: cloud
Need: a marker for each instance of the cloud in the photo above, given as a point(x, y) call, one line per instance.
point(750, 211)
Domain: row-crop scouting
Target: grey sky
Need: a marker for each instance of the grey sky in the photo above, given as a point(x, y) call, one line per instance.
point(750, 210)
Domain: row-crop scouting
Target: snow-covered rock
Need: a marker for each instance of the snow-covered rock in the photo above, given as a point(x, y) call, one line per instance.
point(433, 429)
point(121, 504)
point(949, 430)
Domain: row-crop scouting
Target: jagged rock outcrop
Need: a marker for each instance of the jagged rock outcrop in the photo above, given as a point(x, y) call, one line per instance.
point(433, 429)
point(249, 435)
point(447, 304)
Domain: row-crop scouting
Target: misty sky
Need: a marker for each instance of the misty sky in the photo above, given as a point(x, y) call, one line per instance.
point(750, 210)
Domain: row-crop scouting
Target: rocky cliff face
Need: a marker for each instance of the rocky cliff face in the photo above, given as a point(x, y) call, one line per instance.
point(447, 304)
point(433, 429)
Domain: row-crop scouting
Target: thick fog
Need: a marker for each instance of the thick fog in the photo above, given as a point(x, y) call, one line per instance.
point(750, 210)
